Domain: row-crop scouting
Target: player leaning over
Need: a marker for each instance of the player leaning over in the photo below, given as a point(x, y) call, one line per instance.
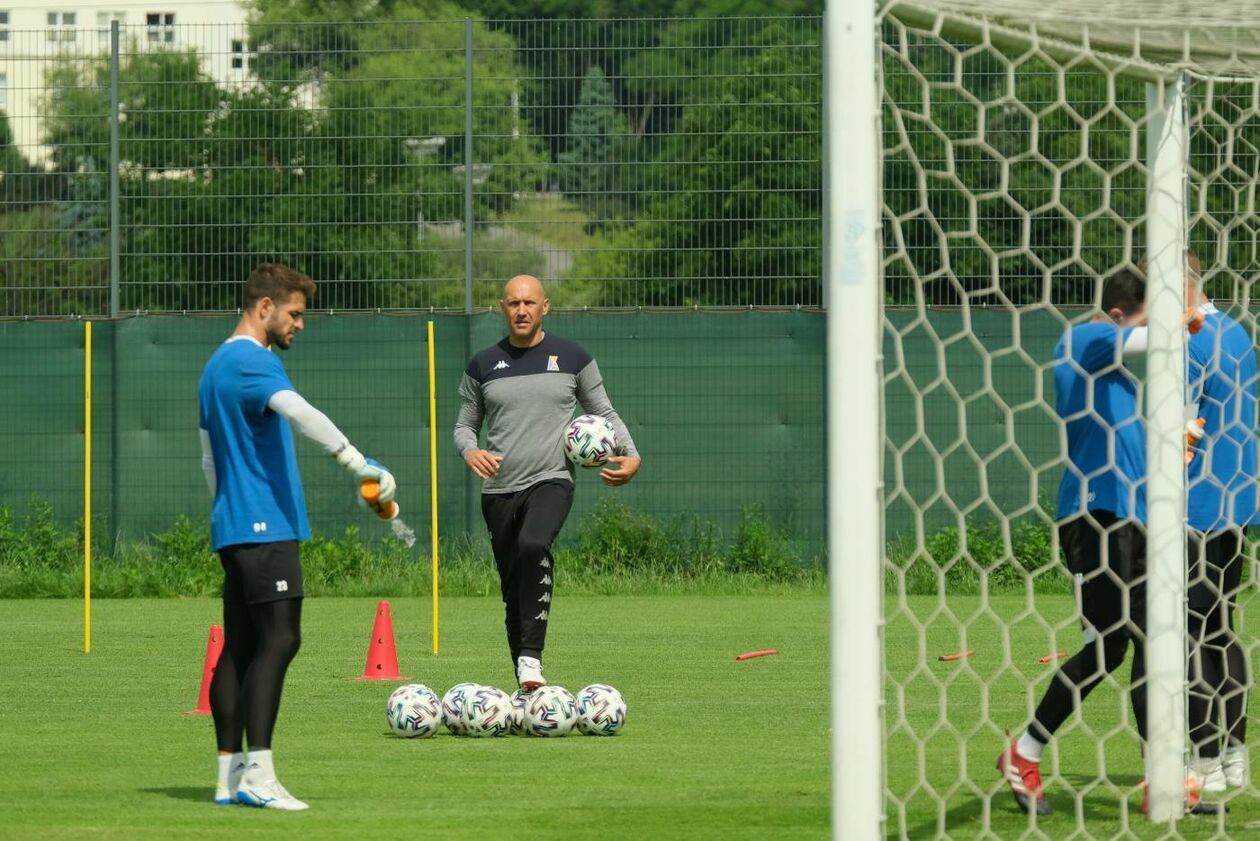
point(1222, 504)
point(1101, 521)
point(525, 388)
point(256, 521)
point(1101, 511)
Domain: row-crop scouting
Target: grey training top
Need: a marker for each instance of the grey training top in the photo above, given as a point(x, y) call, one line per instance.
point(527, 396)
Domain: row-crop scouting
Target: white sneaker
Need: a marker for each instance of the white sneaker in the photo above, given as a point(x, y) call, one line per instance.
point(529, 674)
point(225, 795)
point(1210, 773)
point(267, 794)
point(1234, 764)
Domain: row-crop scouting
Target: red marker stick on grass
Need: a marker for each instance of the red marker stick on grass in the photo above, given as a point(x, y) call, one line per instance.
point(1049, 657)
point(946, 658)
point(751, 654)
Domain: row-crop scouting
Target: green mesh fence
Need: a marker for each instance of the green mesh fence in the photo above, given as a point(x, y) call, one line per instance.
point(726, 408)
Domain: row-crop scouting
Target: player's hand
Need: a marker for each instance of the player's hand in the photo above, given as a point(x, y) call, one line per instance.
point(483, 462)
point(1194, 319)
point(627, 466)
point(373, 469)
point(365, 468)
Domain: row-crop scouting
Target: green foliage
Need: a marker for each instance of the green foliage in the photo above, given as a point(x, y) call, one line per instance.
point(590, 170)
point(617, 551)
point(333, 162)
point(738, 186)
point(47, 267)
point(983, 557)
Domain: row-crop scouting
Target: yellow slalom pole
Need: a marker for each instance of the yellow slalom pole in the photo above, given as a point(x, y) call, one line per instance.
point(87, 487)
point(433, 482)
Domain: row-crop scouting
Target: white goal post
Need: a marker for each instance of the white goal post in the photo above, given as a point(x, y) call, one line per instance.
point(1022, 151)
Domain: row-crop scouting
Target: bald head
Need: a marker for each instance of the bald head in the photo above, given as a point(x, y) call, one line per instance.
point(524, 304)
point(524, 286)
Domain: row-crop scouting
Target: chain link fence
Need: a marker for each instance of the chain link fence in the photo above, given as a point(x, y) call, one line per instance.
point(411, 165)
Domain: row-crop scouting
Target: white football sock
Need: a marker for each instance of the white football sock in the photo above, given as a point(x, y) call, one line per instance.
point(1030, 747)
point(260, 764)
point(225, 765)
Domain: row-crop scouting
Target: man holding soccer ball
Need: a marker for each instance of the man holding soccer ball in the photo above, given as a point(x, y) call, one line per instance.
point(525, 388)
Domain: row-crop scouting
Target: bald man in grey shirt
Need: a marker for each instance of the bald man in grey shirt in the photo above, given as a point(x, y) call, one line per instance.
point(524, 390)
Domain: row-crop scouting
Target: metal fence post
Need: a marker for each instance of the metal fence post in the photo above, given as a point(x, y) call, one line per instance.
point(470, 492)
point(468, 164)
point(115, 261)
point(115, 280)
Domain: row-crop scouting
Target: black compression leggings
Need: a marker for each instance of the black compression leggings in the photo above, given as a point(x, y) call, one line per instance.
point(259, 643)
point(1219, 678)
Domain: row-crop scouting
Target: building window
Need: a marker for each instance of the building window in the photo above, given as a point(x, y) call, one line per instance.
point(4, 91)
point(61, 26)
point(160, 27)
point(4, 26)
point(103, 21)
point(241, 59)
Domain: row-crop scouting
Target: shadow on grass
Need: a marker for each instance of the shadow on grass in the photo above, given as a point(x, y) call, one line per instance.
point(1100, 805)
point(203, 794)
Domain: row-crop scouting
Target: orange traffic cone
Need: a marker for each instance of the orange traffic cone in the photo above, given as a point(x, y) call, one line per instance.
point(214, 647)
point(382, 657)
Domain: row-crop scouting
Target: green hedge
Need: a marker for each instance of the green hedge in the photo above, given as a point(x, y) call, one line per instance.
point(617, 551)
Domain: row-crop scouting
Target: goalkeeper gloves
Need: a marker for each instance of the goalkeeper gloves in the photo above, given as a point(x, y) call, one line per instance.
point(365, 468)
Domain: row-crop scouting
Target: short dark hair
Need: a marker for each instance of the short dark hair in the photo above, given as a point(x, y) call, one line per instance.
point(1125, 291)
point(277, 282)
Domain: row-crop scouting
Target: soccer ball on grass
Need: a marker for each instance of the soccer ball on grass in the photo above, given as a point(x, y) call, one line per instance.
point(413, 711)
point(550, 711)
point(601, 711)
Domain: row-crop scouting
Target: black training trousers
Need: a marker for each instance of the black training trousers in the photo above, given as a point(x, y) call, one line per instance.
point(262, 621)
point(1108, 558)
point(523, 525)
point(1218, 665)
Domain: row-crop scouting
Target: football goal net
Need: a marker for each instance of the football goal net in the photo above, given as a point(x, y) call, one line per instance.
point(1028, 153)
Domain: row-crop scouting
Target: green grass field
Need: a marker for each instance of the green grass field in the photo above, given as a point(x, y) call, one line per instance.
point(948, 719)
point(95, 746)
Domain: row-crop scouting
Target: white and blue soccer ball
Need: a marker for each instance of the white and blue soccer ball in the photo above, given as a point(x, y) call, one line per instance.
point(589, 440)
point(413, 711)
point(519, 699)
point(601, 711)
point(453, 706)
point(551, 711)
point(486, 712)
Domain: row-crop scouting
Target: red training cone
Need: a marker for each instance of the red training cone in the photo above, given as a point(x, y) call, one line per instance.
point(382, 657)
point(214, 647)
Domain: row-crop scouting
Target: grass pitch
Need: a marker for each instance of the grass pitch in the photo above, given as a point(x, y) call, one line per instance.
point(96, 746)
point(947, 718)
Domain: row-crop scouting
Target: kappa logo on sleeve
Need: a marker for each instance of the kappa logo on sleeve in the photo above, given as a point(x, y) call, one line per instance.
point(553, 363)
point(502, 364)
point(282, 586)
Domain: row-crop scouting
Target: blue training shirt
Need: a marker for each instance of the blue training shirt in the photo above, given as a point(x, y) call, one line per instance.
point(1097, 398)
point(1222, 477)
point(258, 498)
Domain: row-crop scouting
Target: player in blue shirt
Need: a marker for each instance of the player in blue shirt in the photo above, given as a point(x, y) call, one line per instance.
point(247, 406)
point(1222, 504)
point(1101, 516)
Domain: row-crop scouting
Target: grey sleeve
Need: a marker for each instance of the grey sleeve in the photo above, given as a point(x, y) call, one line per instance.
point(471, 410)
point(308, 420)
point(207, 462)
point(594, 400)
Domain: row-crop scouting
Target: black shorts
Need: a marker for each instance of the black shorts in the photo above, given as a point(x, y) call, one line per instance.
point(1107, 556)
point(1215, 561)
point(262, 572)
